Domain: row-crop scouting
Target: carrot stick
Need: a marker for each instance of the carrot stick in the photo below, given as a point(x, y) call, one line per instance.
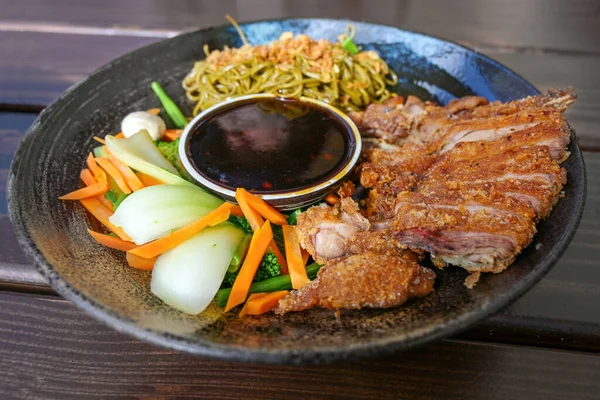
point(253, 296)
point(261, 206)
point(87, 177)
point(305, 256)
point(111, 241)
point(148, 180)
point(96, 170)
point(263, 304)
point(145, 264)
point(237, 211)
point(172, 134)
point(89, 180)
point(159, 246)
point(120, 135)
point(296, 265)
point(280, 258)
point(114, 173)
point(258, 246)
point(130, 177)
point(332, 199)
point(154, 111)
point(253, 217)
point(99, 140)
point(102, 213)
point(88, 191)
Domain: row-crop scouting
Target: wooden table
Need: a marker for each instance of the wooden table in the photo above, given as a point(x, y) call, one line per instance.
point(542, 347)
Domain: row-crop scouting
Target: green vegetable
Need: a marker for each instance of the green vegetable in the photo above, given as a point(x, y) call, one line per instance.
point(153, 211)
point(269, 285)
point(188, 276)
point(115, 198)
point(170, 107)
point(140, 153)
point(170, 151)
point(241, 222)
point(99, 151)
point(269, 267)
point(349, 45)
point(240, 253)
point(292, 219)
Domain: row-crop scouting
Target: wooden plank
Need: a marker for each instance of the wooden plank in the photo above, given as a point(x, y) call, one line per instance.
point(52, 350)
point(37, 67)
point(554, 25)
point(558, 312)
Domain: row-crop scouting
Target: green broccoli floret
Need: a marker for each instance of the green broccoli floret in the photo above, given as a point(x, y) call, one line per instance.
point(292, 219)
point(170, 151)
point(269, 267)
point(241, 222)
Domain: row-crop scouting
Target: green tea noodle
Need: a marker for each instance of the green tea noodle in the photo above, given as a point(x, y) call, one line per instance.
point(291, 67)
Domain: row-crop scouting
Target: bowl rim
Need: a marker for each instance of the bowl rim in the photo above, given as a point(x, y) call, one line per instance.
point(326, 354)
point(290, 199)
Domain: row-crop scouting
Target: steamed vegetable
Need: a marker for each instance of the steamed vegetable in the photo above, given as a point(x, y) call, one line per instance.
point(239, 254)
point(114, 173)
point(269, 267)
point(174, 239)
point(170, 151)
point(111, 241)
point(282, 282)
point(296, 264)
point(262, 304)
point(261, 239)
point(260, 206)
point(137, 262)
point(130, 177)
point(170, 107)
point(103, 215)
point(188, 276)
point(154, 211)
point(138, 120)
point(140, 153)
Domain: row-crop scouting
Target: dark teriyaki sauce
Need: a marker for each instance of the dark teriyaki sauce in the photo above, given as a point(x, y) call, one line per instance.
point(269, 145)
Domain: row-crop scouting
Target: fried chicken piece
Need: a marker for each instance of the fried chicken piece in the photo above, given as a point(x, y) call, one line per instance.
point(323, 230)
point(361, 281)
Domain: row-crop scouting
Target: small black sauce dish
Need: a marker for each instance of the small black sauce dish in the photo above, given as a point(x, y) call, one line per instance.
point(292, 152)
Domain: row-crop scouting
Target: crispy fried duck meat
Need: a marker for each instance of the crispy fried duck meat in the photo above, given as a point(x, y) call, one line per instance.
point(367, 280)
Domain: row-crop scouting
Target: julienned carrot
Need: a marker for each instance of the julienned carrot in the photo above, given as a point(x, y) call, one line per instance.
point(120, 135)
point(262, 207)
point(102, 213)
point(89, 180)
point(94, 190)
point(253, 296)
point(165, 243)
point(87, 177)
point(305, 256)
point(262, 304)
point(253, 217)
point(145, 264)
point(237, 211)
point(280, 258)
point(154, 111)
point(96, 170)
point(130, 177)
point(99, 140)
point(172, 134)
point(114, 173)
point(111, 241)
point(258, 246)
point(296, 265)
point(332, 199)
point(148, 180)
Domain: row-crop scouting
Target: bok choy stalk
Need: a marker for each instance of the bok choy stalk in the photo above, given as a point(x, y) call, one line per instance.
point(154, 211)
point(188, 276)
point(140, 153)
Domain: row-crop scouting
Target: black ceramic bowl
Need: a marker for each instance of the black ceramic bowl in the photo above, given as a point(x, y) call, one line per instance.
point(53, 233)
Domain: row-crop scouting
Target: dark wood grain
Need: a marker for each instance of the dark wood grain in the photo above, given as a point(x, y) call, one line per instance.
point(551, 25)
point(52, 350)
